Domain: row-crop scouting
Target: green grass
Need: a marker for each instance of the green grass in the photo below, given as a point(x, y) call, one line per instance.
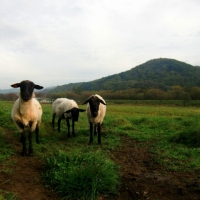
point(79, 175)
point(6, 149)
point(4, 195)
point(171, 131)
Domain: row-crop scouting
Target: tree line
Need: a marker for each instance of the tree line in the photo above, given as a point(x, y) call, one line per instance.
point(175, 93)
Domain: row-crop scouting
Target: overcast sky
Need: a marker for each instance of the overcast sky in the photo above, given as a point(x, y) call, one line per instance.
point(56, 42)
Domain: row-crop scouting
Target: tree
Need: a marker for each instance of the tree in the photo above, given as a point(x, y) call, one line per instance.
point(195, 93)
point(77, 89)
point(179, 94)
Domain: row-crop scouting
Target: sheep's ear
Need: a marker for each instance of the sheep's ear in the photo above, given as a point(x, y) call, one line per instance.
point(68, 111)
point(81, 110)
point(38, 87)
point(86, 101)
point(16, 85)
point(102, 102)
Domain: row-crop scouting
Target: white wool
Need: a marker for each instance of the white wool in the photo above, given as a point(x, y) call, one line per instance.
point(100, 97)
point(56, 103)
point(25, 112)
point(62, 105)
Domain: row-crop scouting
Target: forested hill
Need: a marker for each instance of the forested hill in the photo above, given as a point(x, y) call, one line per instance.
point(157, 73)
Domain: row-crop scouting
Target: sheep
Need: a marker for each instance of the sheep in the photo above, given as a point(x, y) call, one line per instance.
point(65, 109)
point(27, 112)
point(96, 110)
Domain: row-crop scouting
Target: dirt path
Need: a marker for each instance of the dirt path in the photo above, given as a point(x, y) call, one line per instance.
point(25, 180)
point(141, 178)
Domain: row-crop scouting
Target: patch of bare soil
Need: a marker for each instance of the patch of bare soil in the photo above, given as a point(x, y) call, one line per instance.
point(141, 177)
point(25, 179)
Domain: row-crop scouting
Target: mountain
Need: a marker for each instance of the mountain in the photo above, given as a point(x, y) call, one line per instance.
point(12, 90)
point(45, 90)
point(16, 90)
point(159, 73)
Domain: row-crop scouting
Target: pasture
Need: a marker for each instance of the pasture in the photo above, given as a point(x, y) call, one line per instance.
point(147, 151)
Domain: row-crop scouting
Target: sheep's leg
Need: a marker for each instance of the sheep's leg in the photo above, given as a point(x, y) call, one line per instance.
point(59, 120)
point(95, 129)
point(37, 134)
point(99, 133)
point(68, 127)
point(53, 119)
point(22, 138)
point(30, 151)
point(91, 133)
point(73, 132)
point(23, 141)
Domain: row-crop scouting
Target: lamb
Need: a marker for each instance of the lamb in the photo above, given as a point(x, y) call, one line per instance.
point(65, 109)
point(27, 112)
point(96, 110)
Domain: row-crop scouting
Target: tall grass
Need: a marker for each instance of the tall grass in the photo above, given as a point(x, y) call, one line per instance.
point(81, 175)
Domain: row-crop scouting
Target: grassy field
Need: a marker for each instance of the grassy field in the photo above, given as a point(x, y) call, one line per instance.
point(171, 132)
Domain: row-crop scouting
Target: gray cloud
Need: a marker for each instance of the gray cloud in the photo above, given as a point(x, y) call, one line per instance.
point(64, 41)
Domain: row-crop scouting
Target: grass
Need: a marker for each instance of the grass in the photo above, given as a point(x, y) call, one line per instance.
point(81, 175)
point(4, 195)
point(6, 149)
point(171, 131)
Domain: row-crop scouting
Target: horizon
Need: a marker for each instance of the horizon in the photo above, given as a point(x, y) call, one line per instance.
point(48, 87)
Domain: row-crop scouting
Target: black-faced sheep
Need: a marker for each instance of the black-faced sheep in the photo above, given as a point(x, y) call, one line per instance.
point(66, 109)
point(27, 112)
point(96, 110)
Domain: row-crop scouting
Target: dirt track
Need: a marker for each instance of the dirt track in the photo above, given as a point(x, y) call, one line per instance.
point(141, 177)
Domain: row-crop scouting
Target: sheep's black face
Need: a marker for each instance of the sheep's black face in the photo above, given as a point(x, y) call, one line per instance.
point(26, 90)
point(75, 114)
point(94, 106)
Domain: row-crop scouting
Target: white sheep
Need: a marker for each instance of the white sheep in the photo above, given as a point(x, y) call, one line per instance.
point(96, 110)
point(27, 112)
point(66, 109)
